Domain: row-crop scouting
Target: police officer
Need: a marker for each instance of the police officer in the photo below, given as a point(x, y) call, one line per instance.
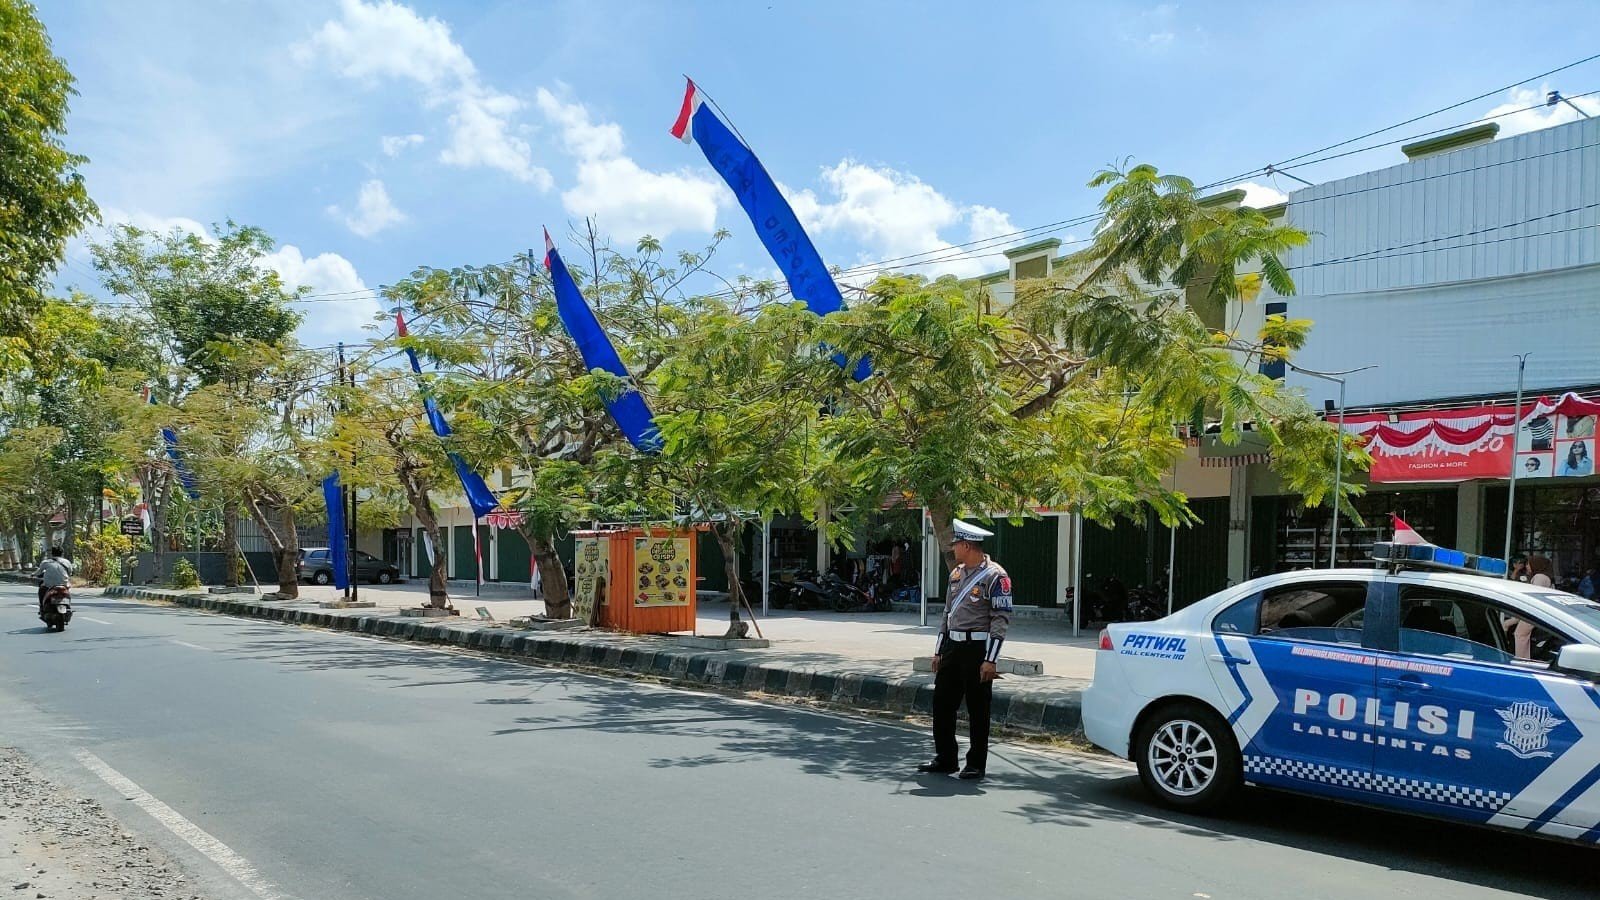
point(977, 613)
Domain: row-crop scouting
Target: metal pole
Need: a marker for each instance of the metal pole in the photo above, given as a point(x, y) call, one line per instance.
point(766, 564)
point(1516, 432)
point(1172, 550)
point(1338, 480)
point(922, 571)
point(1077, 574)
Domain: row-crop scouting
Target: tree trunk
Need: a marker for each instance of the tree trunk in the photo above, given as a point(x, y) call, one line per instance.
point(725, 531)
point(230, 543)
point(289, 561)
point(552, 575)
point(942, 517)
point(285, 550)
point(69, 542)
point(438, 592)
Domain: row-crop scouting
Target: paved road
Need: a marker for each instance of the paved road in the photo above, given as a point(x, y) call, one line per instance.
point(332, 767)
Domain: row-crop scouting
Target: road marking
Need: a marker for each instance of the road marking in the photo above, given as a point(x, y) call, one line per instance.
point(187, 644)
point(235, 865)
point(94, 620)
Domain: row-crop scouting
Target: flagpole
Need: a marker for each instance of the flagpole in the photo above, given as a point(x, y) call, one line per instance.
point(1516, 432)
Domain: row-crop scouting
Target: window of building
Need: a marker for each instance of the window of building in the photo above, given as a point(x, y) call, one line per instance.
point(1303, 536)
point(1033, 267)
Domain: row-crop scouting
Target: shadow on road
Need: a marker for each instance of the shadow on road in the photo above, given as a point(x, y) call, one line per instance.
point(1064, 792)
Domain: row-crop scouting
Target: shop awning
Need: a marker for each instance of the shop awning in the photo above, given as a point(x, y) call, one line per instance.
point(1251, 448)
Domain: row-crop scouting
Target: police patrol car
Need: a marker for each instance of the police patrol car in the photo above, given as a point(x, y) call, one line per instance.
point(1428, 684)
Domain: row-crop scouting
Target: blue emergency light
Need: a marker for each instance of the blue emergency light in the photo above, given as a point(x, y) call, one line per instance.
point(1428, 556)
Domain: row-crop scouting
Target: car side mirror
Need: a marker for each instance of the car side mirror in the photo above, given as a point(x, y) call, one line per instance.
point(1581, 658)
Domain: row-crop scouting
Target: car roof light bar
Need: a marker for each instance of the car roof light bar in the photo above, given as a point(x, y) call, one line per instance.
point(1428, 556)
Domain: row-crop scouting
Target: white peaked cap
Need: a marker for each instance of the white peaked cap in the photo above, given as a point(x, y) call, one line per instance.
point(965, 531)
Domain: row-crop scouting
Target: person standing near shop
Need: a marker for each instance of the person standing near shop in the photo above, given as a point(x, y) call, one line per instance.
point(977, 614)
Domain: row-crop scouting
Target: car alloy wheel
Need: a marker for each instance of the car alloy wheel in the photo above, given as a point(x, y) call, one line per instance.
point(322, 578)
point(385, 577)
point(1183, 757)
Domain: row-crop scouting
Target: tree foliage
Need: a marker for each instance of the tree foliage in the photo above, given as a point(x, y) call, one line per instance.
point(43, 201)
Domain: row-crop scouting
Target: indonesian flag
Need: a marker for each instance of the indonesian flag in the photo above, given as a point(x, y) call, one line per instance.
point(1405, 534)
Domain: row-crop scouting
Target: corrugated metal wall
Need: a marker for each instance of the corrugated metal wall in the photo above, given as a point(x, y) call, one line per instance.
point(1437, 270)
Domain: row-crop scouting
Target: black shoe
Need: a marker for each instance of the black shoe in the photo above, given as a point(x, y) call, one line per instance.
point(971, 774)
point(937, 768)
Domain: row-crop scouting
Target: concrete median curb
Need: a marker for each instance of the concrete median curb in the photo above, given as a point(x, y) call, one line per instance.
point(1054, 711)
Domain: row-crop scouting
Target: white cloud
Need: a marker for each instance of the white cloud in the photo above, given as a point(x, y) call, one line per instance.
point(343, 307)
point(1154, 29)
point(396, 144)
point(1259, 196)
point(1514, 117)
point(383, 40)
point(891, 214)
point(374, 210)
point(111, 216)
point(628, 200)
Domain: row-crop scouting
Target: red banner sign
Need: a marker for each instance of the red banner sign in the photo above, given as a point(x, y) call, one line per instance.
point(1554, 439)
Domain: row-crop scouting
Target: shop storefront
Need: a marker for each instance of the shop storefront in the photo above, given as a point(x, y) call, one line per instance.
point(1287, 537)
point(1561, 522)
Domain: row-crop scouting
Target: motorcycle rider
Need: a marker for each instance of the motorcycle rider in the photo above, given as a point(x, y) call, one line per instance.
point(54, 571)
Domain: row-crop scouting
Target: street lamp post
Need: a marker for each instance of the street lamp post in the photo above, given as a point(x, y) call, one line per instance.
point(1516, 432)
point(1338, 449)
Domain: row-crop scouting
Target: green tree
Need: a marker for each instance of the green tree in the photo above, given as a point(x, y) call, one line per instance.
point(1071, 396)
point(738, 408)
point(208, 302)
point(515, 389)
point(43, 201)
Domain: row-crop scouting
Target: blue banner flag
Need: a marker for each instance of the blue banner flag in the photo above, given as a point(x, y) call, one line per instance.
point(628, 410)
point(478, 494)
point(185, 474)
point(776, 224)
point(338, 541)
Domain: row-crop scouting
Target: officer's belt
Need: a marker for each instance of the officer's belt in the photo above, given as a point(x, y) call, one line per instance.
point(969, 635)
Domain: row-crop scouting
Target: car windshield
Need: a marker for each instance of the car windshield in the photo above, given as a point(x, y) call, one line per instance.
point(1584, 610)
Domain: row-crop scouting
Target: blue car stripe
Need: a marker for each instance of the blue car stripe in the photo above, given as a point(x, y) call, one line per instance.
point(1565, 800)
point(1237, 679)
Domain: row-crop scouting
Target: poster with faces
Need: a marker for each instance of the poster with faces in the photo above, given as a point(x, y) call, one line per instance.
point(1574, 446)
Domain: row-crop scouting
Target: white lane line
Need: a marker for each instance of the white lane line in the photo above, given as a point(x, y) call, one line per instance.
point(94, 620)
point(187, 644)
point(192, 834)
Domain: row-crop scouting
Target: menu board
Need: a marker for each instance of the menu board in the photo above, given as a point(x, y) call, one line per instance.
point(661, 571)
point(592, 564)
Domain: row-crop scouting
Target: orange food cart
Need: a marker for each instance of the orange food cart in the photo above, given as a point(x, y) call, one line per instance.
point(644, 579)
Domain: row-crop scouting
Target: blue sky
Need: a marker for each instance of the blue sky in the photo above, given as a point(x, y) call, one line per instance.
point(370, 137)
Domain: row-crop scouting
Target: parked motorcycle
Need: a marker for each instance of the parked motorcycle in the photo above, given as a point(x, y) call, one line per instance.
point(56, 609)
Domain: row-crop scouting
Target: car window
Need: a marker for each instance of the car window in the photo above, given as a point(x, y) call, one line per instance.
point(1325, 611)
point(1436, 622)
point(318, 554)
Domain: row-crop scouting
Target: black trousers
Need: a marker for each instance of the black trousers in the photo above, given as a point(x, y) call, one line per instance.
point(957, 680)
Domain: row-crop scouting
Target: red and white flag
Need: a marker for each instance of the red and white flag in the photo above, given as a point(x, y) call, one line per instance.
point(477, 549)
point(1405, 534)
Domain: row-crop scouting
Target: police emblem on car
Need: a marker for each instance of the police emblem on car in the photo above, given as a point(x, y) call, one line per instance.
point(1528, 727)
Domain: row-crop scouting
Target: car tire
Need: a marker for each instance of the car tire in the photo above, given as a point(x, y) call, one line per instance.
point(323, 577)
point(386, 578)
point(1187, 757)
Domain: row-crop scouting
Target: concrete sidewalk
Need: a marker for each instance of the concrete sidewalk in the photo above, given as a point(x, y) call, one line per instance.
point(862, 661)
point(883, 639)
